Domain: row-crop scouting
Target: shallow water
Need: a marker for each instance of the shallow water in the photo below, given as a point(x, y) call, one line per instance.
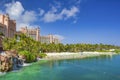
point(97, 68)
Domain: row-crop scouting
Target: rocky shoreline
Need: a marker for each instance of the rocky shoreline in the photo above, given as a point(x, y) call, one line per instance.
point(10, 60)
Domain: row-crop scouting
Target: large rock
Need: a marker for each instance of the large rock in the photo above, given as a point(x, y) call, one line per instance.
point(9, 60)
point(5, 64)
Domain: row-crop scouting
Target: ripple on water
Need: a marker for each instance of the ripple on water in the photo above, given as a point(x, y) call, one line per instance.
point(27, 64)
point(75, 69)
point(2, 73)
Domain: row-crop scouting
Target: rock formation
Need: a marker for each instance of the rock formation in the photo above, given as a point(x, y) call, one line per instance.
point(9, 60)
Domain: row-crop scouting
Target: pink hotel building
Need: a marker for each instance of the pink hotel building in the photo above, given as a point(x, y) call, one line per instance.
point(35, 34)
point(8, 28)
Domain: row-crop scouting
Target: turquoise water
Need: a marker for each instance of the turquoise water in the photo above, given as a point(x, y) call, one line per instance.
point(97, 68)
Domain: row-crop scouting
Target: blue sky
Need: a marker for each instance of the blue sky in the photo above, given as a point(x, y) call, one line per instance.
point(73, 21)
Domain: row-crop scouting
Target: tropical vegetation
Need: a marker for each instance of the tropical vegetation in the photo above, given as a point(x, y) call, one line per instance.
point(77, 47)
point(1, 34)
point(24, 45)
point(31, 49)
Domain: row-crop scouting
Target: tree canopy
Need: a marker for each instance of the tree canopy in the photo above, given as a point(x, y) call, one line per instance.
point(23, 43)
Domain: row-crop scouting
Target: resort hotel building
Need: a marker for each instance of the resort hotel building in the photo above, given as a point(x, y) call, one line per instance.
point(49, 39)
point(35, 34)
point(7, 27)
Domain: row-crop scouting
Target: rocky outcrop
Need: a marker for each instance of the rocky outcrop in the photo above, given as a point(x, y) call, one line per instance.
point(9, 60)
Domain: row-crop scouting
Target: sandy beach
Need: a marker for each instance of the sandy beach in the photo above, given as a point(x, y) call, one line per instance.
point(70, 55)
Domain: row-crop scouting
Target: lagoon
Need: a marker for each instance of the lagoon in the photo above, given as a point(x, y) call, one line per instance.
point(95, 68)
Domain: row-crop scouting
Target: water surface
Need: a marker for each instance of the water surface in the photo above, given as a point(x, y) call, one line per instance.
point(97, 68)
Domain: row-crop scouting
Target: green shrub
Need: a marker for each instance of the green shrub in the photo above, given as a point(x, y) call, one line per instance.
point(117, 51)
point(42, 55)
point(1, 34)
point(29, 57)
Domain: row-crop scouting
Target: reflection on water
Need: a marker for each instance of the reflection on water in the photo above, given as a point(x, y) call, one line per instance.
point(94, 68)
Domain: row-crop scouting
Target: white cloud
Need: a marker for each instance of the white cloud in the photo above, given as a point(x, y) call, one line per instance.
point(51, 17)
point(14, 9)
point(29, 16)
point(41, 11)
point(54, 15)
point(60, 37)
point(28, 25)
point(22, 24)
point(53, 9)
point(23, 17)
point(70, 13)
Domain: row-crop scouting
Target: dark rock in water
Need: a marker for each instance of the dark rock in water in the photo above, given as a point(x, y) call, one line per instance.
point(1, 49)
point(9, 60)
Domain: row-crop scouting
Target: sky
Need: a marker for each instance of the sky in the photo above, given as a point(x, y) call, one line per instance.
point(73, 21)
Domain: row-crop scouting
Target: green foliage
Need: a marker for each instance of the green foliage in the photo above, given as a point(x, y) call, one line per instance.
point(9, 43)
point(76, 47)
point(21, 43)
point(1, 34)
point(117, 51)
point(29, 57)
point(31, 48)
point(42, 55)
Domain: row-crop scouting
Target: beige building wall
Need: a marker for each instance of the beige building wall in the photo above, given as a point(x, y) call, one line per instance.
point(12, 28)
point(49, 39)
point(44, 39)
point(33, 33)
point(8, 25)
